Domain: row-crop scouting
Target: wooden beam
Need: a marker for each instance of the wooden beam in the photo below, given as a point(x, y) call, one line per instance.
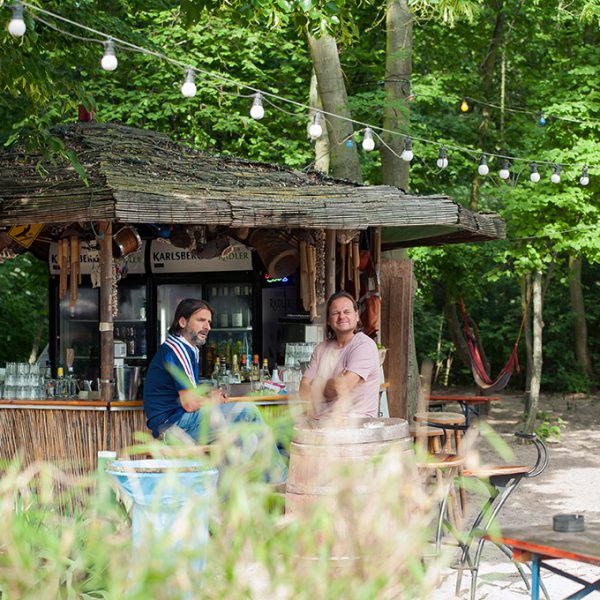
point(106, 311)
point(330, 247)
point(396, 321)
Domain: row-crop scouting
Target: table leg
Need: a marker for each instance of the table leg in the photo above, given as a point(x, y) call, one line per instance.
point(535, 577)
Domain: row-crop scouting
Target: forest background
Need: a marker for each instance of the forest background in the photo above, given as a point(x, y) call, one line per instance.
point(514, 61)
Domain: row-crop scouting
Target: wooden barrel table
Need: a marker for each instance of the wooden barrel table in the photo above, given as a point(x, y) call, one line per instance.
point(338, 467)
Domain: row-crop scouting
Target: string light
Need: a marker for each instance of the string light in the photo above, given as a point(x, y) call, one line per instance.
point(584, 179)
point(464, 105)
point(483, 168)
point(17, 26)
point(257, 111)
point(368, 142)
point(534, 176)
point(542, 119)
point(188, 89)
point(442, 161)
point(109, 61)
point(407, 154)
point(504, 172)
point(555, 177)
point(316, 129)
point(257, 108)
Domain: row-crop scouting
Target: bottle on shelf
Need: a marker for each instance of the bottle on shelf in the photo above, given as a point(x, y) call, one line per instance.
point(60, 387)
point(236, 309)
point(215, 374)
point(275, 375)
point(265, 374)
point(49, 382)
point(255, 373)
point(130, 341)
point(223, 372)
point(244, 370)
point(236, 375)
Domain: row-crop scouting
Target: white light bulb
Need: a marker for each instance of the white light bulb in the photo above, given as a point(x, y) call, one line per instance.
point(109, 61)
point(17, 26)
point(368, 142)
point(584, 179)
point(257, 110)
point(555, 177)
point(316, 130)
point(483, 168)
point(188, 89)
point(442, 161)
point(535, 177)
point(504, 172)
point(407, 154)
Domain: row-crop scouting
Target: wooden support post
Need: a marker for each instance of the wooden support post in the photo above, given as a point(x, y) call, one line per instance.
point(396, 323)
point(106, 318)
point(330, 244)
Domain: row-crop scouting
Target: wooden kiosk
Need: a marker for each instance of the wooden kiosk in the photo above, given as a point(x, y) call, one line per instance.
point(136, 177)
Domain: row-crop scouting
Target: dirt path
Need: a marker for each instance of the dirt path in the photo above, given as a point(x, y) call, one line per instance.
point(570, 484)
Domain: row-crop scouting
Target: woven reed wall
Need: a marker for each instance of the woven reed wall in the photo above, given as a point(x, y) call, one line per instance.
point(68, 438)
point(122, 426)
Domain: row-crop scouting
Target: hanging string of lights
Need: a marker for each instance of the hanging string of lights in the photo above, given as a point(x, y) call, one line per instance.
point(109, 62)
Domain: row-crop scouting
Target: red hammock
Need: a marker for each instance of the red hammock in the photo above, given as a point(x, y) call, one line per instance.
point(480, 375)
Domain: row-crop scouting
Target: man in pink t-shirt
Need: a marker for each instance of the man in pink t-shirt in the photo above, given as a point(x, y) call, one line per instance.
point(342, 377)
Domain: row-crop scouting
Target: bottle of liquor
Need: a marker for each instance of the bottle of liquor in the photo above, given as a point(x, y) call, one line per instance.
point(255, 373)
point(244, 370)
point(265, 375)
point(236, 374)
point(275, 375)
point(215, 374)
point(60, 388)
point(223, 372)
point(49, 382)
point(130, 341)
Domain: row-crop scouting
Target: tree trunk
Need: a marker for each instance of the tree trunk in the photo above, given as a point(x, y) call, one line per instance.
point(525, 291)
point(343, 156)
point(582, 353)
point(536, 376)
point(322, 142)
point(398, 71)
point(456, 334)
point(486, 71)
point(36, 340)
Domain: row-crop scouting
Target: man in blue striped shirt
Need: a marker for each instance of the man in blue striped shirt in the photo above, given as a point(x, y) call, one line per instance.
point(170, 397)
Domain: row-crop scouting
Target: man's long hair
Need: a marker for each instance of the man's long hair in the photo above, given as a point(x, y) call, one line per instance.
point(186, 308)
point(332, 298)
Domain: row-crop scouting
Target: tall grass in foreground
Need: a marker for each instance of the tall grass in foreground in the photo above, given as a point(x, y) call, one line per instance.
point(66, 538)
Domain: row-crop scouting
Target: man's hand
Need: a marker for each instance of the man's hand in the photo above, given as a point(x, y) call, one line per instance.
point(191, 400)
point(340, 386)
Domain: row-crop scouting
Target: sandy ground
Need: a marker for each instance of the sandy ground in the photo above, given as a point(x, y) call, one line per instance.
point(570, 484)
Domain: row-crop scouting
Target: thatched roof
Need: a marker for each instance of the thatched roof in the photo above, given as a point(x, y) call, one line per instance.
point(138, 176)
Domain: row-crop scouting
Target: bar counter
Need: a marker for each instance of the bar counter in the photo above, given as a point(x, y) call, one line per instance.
point(69, 433)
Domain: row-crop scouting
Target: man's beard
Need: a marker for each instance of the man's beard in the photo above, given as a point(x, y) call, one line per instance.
point(193, 337)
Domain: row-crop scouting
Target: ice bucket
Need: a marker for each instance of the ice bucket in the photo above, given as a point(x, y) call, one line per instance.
point(127, 381)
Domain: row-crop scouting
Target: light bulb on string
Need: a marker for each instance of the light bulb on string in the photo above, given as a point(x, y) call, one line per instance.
point(257, 110)
point(109, 61)
point(316, 129)
point(483, 168)
point(464, 106)
point(368, 143)
point(407, 153)
point(534, 176)
point(555, 177)
point(542, 119)
point(17, 26)
point(442, 161)
point(504, 172)
point(584, 179)
point(188, 89)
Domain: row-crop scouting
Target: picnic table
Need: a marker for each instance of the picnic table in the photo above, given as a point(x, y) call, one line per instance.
point(470, 405)
point(540, 544)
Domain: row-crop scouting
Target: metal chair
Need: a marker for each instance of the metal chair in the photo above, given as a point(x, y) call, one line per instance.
point(502, 481)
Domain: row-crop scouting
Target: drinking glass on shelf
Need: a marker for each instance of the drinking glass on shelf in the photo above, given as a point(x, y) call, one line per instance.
point(22, 368)
point(11, 369)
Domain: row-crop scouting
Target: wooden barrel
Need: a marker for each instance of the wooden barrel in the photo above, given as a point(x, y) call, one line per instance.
point(330, 464)
point(276, 252)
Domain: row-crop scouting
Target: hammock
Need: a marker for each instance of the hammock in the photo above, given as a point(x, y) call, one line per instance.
point(480, 375)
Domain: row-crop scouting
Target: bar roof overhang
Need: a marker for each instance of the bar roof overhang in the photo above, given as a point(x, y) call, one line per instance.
point(138, 176)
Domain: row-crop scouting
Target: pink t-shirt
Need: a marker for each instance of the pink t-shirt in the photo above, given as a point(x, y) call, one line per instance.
point(359, 356)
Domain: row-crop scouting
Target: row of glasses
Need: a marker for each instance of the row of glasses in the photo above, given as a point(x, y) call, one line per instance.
point(24, 387)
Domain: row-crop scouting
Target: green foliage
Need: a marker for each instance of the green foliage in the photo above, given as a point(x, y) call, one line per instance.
point(549, 426)
point(24, 302)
